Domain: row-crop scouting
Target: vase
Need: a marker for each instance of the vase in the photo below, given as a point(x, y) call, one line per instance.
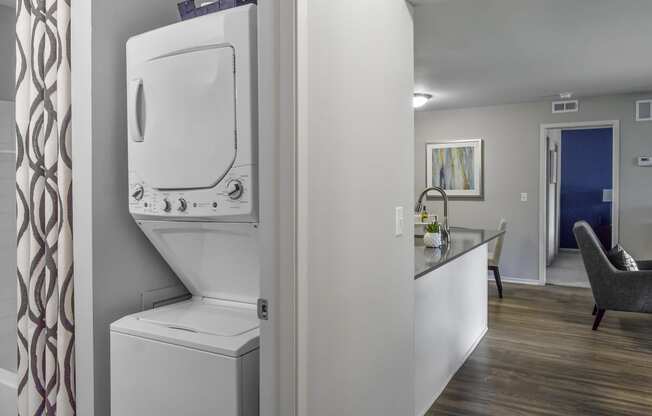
point(432, 240)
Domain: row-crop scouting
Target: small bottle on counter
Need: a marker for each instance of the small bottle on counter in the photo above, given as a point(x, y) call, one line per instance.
point(437, 238)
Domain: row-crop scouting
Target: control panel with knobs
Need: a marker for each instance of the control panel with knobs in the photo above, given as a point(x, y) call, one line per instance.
point(164, 205)
point(231, 200)
point(234, 189)
point(182, 205)
point(138, 192)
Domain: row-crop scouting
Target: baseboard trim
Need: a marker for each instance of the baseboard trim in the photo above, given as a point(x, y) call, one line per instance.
point(575, 285)
point(466, 357)
point(518, 281)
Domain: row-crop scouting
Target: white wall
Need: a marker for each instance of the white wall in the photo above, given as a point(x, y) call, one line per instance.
point(7, 53)
point(511, 135)
point(356, 164)
point(114, 262)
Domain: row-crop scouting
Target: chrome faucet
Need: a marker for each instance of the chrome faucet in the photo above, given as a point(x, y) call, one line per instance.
point(446, 232)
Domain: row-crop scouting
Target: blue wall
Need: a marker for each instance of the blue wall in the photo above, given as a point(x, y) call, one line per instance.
point(586, 169)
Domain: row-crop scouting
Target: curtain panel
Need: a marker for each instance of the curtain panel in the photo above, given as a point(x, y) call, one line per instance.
point(46, 335)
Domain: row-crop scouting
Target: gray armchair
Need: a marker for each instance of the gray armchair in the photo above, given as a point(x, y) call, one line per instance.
point(613, 289)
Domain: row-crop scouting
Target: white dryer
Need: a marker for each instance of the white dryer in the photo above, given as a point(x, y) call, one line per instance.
point(192, 134)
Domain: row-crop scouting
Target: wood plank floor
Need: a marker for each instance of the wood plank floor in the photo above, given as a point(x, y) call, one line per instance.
point(540, 357)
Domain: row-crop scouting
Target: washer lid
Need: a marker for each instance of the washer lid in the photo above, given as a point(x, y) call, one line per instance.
point(189, 117)
point(205, 317)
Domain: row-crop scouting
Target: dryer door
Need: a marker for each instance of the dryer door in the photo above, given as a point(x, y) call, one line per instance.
point(187, 117)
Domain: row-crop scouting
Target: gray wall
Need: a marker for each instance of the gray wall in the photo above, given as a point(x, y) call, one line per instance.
point(7, 190)
point(114, 262)
point(7, 237)
point(511, 135)
point(356, 164)
point(7, 53)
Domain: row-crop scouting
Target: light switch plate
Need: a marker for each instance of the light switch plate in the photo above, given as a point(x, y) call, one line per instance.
point(645, 161)
point(400, 222)
point(523, 196)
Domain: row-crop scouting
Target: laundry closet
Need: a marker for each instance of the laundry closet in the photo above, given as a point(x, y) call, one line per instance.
point(193, 190)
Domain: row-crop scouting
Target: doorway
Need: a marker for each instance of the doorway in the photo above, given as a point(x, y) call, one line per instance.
point(579, 182)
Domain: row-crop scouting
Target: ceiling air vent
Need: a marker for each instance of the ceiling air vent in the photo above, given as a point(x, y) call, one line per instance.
point(567, 106)
point(644, 110)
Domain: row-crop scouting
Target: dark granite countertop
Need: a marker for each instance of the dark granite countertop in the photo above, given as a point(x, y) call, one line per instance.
point(463, 240)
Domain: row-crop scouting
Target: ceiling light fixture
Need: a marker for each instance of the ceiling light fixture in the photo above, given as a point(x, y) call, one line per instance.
point(566, 95)
point(420, 99)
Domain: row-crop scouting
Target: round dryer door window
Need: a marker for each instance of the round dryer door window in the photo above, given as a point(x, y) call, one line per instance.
point(188, 113)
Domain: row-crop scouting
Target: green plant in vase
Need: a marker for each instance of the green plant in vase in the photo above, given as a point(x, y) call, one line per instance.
point(432, 236)
point(432, 228)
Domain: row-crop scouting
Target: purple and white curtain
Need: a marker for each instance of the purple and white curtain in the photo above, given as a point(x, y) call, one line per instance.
point(46, 332)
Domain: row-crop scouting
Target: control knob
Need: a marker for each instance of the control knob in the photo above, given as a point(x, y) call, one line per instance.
point(182, 205)
point(234, 189)
point(165, 205)
point(138, 192)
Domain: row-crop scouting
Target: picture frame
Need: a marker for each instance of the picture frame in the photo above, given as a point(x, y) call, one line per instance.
point(457, 166)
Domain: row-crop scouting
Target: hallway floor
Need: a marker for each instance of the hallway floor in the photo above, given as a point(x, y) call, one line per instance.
point(540, 357)
point(567, 270)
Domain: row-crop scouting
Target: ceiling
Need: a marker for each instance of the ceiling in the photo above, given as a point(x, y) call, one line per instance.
point(483, 52)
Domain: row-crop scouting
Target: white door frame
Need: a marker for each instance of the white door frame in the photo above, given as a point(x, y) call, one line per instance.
point(278, 22)
point(543, 171)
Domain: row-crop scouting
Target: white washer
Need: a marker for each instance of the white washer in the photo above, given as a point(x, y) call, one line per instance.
point(192, 134)
point(199, 357)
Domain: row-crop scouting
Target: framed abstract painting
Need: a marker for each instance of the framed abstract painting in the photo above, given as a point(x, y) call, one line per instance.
point(457, 167)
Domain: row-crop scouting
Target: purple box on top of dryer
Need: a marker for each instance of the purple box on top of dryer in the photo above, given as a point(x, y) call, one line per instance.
point(188, 9)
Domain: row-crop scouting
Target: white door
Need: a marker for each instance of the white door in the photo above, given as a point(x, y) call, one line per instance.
point(553, 181)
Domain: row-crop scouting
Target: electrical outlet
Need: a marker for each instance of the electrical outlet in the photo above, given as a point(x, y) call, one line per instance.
point(523, 196)
point(400, 222)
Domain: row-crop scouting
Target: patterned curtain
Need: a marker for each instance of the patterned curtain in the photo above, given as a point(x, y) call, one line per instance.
point(46, 336)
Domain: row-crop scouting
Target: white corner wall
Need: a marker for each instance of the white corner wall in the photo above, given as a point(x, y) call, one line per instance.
point(356, 165)
point(276, 173)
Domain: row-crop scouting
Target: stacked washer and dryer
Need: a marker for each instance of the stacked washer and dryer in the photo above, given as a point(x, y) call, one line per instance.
point(192, 127)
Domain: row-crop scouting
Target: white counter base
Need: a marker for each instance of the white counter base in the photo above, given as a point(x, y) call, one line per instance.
point(450, 321)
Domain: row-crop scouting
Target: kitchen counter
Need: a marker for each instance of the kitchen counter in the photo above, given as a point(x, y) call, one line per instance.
point(463, 240)
point(451, 299)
